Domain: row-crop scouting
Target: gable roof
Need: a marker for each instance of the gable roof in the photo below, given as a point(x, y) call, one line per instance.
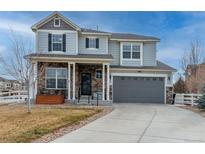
point(50, 17)
point(113, 36)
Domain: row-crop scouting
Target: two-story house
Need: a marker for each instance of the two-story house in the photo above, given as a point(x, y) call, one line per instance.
point(82, 62)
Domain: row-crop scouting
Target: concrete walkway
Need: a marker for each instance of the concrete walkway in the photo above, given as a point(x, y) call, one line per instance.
point(142, 123)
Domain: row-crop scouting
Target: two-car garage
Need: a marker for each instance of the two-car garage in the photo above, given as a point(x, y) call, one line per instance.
point(138, 89)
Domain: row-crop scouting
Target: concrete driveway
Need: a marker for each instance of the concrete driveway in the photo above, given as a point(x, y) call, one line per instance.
point(142, 123)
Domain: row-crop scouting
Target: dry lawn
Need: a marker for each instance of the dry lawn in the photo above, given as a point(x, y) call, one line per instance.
point(16, 125)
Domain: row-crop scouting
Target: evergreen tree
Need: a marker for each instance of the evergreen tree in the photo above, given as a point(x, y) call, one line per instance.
point(201, 101)
point(179, 86)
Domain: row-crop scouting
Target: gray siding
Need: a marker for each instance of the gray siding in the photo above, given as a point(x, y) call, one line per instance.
point(114, 49)
point(131, 63)
point(71, 43)
point(42, 42)
point(149, 54)
point(50, 26)
point(102, 46)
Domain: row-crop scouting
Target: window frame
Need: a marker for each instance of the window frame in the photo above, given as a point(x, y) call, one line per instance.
point(94, 38)
point(131, 44)
point(96, 74)
point(57, 42)
point(56, 77)
point(54, 23)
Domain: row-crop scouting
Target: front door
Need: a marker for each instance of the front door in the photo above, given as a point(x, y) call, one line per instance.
point(86, 84)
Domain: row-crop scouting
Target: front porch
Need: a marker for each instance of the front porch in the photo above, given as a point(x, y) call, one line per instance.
point(78, 82)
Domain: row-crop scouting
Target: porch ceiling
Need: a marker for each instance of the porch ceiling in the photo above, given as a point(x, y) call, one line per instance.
point(80, 58)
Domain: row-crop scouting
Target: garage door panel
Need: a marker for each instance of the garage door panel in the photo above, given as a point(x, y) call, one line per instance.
point(138, 89)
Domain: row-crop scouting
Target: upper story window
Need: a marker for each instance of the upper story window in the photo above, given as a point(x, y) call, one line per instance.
point(57, 42)
point(56, 22)
point(131, 51)
point(92, 43)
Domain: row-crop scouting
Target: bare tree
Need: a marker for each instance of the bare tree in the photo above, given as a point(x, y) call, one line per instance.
point(192, 64)
point(19, 68)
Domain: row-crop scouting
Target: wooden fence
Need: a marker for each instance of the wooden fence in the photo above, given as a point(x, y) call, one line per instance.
point(187, 99)
point(13, 97)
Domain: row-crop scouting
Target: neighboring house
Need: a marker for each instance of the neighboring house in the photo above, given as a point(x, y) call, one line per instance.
point(195, 78)
point(9, 85)
point(120, 67)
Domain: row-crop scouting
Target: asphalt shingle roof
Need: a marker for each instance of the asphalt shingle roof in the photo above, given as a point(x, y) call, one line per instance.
point(92, 56)
point(159, 66)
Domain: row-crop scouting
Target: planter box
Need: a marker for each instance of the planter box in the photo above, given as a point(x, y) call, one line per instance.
point(49, 99)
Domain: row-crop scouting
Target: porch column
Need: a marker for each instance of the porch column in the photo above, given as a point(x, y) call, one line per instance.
point(108, 82)
point(103, 83)
point(73, 81)
point(69, 81)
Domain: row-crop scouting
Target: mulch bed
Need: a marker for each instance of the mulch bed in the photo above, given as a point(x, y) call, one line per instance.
point(194, 109)
point(62, 131)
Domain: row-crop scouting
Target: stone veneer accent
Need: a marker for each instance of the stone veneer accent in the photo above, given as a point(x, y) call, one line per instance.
point(79, 68)
point(96, 84)
point(41, 80)
point(169, 94)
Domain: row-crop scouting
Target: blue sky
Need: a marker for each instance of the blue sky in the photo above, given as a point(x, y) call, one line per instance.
point(175, 29)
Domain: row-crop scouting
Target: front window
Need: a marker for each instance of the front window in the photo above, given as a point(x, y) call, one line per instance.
point(56, 78)
point(131, 51)
point(57, 41)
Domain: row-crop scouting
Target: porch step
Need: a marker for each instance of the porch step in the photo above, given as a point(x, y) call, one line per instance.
point(92, 102)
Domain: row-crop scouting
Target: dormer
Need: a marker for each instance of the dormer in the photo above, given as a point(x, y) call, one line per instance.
point(56, 34)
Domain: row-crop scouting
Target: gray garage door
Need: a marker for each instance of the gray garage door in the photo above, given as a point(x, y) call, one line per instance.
point(138, 89)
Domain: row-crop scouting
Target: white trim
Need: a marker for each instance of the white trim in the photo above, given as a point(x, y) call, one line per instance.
point(56, 78)
point(56, 31)
point(139, 74)
point(138, 69)
point(36, 41)
point(73, 81)
point(120, 53)
point(89, 33)
point(52, 42)
point(142, 54)
point(69, 81)
point(106, 45)
point(108, 82)
point(58, 21)
point(77, 60)
point(134, 40)
point(131, 51)
point(103, 82)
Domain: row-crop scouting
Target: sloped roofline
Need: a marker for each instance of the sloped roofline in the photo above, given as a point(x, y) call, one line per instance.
point(41, 22)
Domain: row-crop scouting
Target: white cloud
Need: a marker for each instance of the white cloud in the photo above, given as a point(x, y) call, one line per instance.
point(169, 54)
point(16, 26)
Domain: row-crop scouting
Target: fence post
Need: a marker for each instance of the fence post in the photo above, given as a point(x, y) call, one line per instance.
point(192, 99)
point(19, 97)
